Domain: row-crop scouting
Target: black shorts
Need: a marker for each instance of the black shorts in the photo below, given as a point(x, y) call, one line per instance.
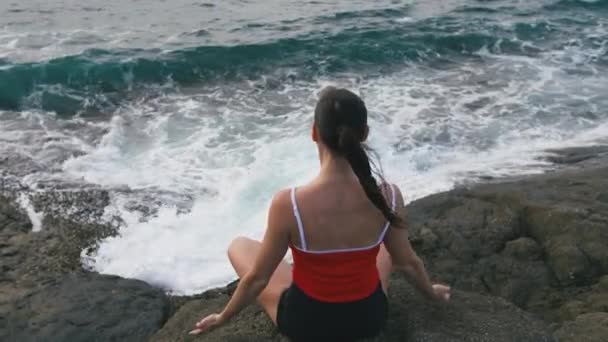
point(304, 319)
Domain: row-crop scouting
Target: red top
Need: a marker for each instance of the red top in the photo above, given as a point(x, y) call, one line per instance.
point(342, 275)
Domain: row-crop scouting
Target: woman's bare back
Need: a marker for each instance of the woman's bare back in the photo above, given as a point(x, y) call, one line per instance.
point(336, 214)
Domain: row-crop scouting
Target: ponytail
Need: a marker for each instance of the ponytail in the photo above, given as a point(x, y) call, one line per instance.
point(351, 147)
point(341, 119)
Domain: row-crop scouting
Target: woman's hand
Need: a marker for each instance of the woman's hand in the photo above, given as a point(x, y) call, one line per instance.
point(207, 323)
point(441, 292)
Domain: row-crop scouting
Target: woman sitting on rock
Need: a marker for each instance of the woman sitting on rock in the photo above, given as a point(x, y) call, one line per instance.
point(346, 234)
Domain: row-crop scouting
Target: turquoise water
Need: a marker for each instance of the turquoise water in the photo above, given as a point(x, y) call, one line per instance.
point(199, 111)
point(62, 54)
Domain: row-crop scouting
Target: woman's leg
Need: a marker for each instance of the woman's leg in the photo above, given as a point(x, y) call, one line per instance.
point(242, 254)
point(385, 267)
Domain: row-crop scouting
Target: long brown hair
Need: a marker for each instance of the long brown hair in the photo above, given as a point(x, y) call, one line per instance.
point(341, 120)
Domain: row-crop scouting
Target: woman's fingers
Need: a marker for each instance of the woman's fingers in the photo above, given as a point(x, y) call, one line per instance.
point(442, 292)
point(195, 332)
point(204, 324)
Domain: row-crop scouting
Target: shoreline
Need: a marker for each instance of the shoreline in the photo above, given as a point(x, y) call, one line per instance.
point(537, 241)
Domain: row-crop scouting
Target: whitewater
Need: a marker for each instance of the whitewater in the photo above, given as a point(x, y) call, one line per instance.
point(192, 123)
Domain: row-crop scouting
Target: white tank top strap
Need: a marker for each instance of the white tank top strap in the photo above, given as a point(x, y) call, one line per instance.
point(296, 213)
point(393, 205)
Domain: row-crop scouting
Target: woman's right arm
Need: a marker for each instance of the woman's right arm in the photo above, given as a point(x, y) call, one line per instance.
point(406, 260)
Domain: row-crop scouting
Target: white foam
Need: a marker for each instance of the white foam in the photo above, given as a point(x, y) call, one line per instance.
point(186, 253)
point(229, 148)
point(34, 216)
point(232, 162)
point(405, 20)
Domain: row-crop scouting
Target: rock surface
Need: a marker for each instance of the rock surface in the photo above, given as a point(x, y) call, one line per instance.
point(580, 157)
point(470, 317)
point(88, 307)
point(591, 327)
point(538, 242)
point(45, 295)
point(31, 260)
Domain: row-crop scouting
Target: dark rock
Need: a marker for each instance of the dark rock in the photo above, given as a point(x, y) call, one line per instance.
point(12, 220)
point(512, 278)
point(8, 251)
point(65, 241)
point(602, 284)
point(539, 242)
point(571, 310)
point(523, 248)
point(463, 226)
point(598, 302)
point(592, 239)
point(20, 165)
point(573, 238)
point(42, 299)
point(586, 300)
point(546, 222)
point(577, 155)
point(31, 261)
point(473, 241)
point(428, 240)
point(590, 327)
point(567, 261)
point(88, 307)
point(470, 317)
point(81, 206)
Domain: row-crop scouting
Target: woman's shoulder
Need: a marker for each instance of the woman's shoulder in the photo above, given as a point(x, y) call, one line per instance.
point(282, 197)
point(280, 212)
point(290, 197)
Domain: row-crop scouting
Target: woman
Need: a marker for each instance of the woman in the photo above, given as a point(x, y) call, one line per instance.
point(346, 234)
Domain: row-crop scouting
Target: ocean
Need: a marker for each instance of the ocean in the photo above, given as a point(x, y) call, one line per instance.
point(192, 114)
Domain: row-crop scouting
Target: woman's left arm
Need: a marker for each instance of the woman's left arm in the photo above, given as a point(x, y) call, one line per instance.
point(273, 249)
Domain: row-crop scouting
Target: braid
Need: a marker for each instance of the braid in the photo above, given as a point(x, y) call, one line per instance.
point(341, 118)
point(354, 151)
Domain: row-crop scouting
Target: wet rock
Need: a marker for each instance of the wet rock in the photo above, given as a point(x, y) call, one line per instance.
point(598, 301)
point(523, 248)
point(427, 239)
point(470, 317)
point(473, 241)
point(31, 261)
point(576, 155)
point(574, 239)
point(567, 261)
point(88, 307)
point(84, 206)
point(583, 300)
point(12, 220)
point(546, 222)
point(590, 327)
point(602, 284)
point(20, 165)
point(539, 242)
point(572, 309)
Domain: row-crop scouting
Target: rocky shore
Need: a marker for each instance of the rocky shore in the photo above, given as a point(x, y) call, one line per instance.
point(527, 257)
